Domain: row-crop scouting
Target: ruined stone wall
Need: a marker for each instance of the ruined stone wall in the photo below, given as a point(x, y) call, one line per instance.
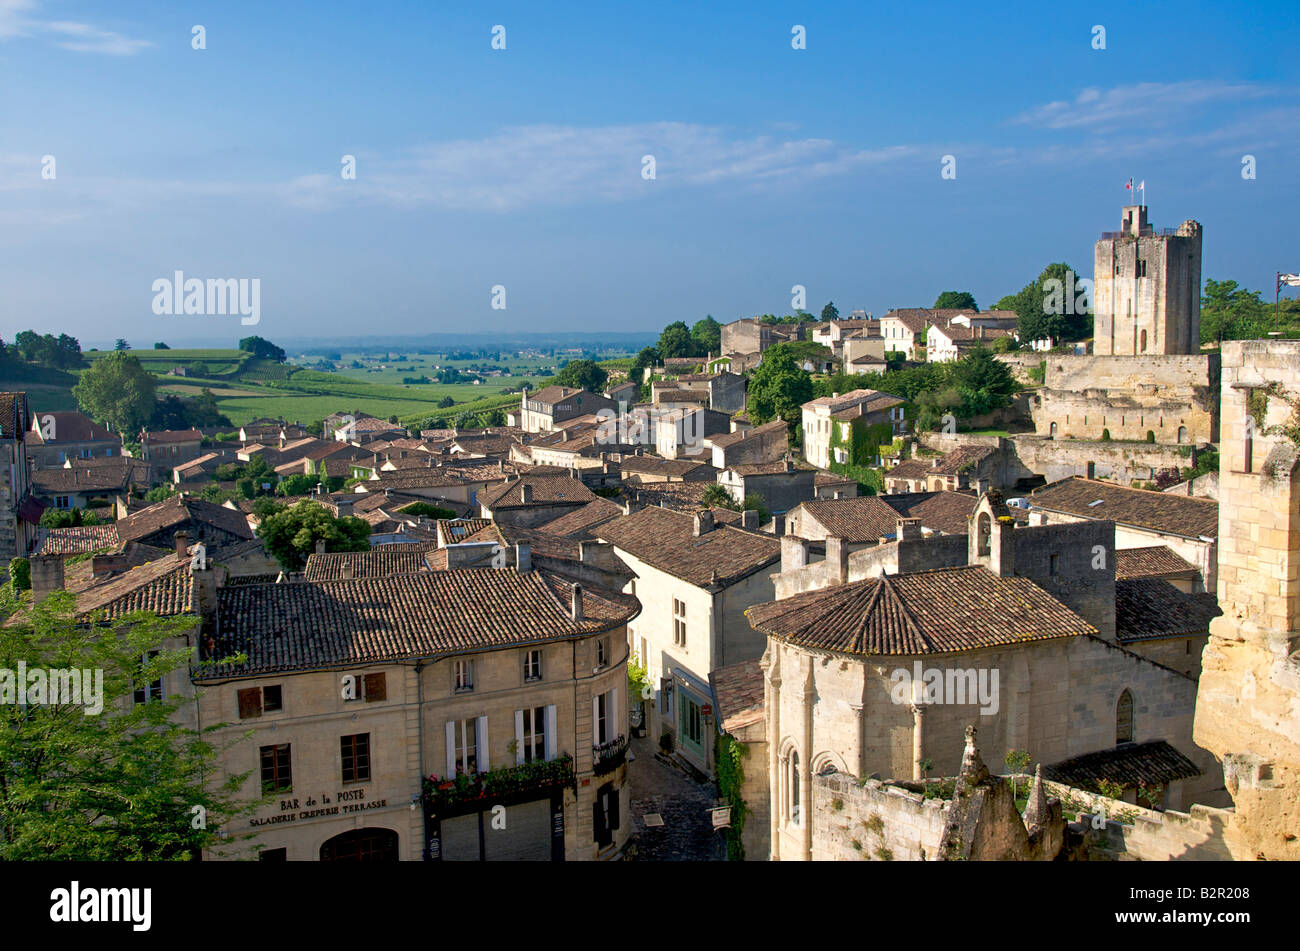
point(875, 821)
point(1119, 461)
point(1175, 397)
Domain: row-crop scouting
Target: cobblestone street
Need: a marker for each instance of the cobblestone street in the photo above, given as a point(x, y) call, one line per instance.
point(687, 833)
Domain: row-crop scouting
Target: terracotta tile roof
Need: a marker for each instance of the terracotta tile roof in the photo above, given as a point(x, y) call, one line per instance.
point(832, 478)
point(15, 420)
point(163, 586)
point(175, 511)
point(842, 402)
point(729, 439)
point(666, 540)
point(550, 395)
point(944, 512)
point(454, 530)
point(766, 468)
point(579, 522)
point(911, 469)
point(547, 490)
point(874, 404)
point(738, 692)
point(678, 496)
point(917, 319)
point(71, 426)
point(863, 518)
point(952, 463)
point(106, 478)
point(376, 563)
point(682, 394)
point(1159, 561)
point(1152, 608)
point(924, 612)
point(655, 465)
point(1154, 763)
point(173, 435)
point(313, 625)
point(1156, 511)
point(76, 541)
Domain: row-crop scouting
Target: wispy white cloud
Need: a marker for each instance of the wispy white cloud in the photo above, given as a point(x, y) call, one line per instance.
point(552, 164)
point(18, 19)
point(1141, 103)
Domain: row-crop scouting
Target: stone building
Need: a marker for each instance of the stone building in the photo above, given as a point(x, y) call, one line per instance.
point(1250, 679)
point(19, 512)
point(881, 675)
point(540, 412)
point(505, 689)
point(695, 576)
point(766, 443)
point(828, 422)
point(1147, 288)
point(57, 437)
point(166, 449)
point(782, 485)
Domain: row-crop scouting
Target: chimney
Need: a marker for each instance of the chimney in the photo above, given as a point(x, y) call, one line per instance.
point(526, 493)
point(347, 572)
point(182, 546)
point(794, 552)
point(344, 507)
point(749, 519)
point(204, 581)
point(102, 565)
point(778, 524)
point(320, 546)
point(835, 396)
point(909, 529)
point(703, 523)
point(47, 575)
point(523, 559)
point(576, 608)
point(837, 561)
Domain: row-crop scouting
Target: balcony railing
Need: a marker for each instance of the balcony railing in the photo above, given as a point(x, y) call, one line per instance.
point(443, 793)
point(608, 756)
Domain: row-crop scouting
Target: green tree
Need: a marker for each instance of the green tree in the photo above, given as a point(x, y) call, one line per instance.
point(161, 346)
point(445, 403)
point(1050, 306)
point(298, 484)
point(259, 347)
point(716, 496)
point(706, 335)
point(778, 387)
point(956, 300)
point(582, 374)
point(830, 311)
point(291, 534)
point(983, 382)
point(20, 574)
point(121, 344)
point(675, 341)
point(1230, 312)
point(68, 518)
point(118, 786)
point(118, 392)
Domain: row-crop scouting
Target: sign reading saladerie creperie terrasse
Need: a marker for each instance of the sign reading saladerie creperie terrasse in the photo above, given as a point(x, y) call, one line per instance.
point(292, 810)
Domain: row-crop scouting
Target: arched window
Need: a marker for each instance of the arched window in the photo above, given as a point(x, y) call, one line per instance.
point(794, 787)
point(1052, 431)
point(1124, 719)
point(1144, 341)
point(1182, 434)
point(983, 529)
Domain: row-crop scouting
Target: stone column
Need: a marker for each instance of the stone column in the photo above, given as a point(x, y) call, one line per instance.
point(805, 771)
point(771, 664)
point(918, 741)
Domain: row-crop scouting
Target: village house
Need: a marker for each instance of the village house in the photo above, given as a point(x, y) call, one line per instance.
point(375, 748)
point(746, 444)
point(870, 519)
point(104, 483)
point(781, 485)
point(540, 412)
point(531, 500)
point(57, 437)
point(1143, 518)
point(166, 449)
point(948, 340)
point(830, 420)
point(694, 576)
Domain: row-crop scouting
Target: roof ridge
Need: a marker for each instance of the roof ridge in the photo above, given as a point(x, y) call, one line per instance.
point(914, 626)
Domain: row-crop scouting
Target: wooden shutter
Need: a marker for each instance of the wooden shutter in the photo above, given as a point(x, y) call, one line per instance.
point(250, 703)
point(519, 736)
point(451, 748)
point(482, 752)
point(613, 809)
point(614, 716)
point(551, 737)
point(376, 687)
point(595, 720)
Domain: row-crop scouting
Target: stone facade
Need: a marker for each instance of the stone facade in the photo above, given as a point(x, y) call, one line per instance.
point(1147, 288)
point(1246, 711)
point(1174, 397)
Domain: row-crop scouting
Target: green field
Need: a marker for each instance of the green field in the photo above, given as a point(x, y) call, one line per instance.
point(247, 387)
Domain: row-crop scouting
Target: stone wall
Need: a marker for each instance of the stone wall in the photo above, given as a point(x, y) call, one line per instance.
point(875, 821)
point(1175, 397)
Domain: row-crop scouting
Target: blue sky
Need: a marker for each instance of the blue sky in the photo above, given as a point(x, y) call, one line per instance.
point(522, 167)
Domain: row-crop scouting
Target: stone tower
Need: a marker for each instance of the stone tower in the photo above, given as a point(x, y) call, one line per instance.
point(1248, 703)
point(1147, 288)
